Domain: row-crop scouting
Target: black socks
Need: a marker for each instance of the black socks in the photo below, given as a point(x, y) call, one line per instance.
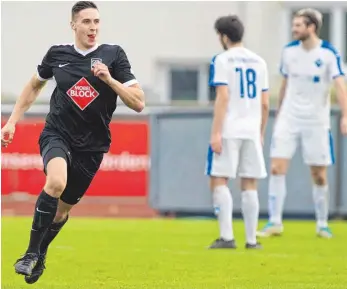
point(51, 233)
point(45, 210)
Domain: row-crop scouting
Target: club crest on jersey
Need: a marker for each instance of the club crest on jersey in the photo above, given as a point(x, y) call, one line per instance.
point(94, 61)
point(318, 62)
point(82, 93)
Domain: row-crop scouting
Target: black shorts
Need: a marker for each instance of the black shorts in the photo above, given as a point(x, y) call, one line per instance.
point(82, 166)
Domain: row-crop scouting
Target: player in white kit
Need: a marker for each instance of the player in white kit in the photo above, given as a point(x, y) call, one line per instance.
point(309, 65)
point(240, 115)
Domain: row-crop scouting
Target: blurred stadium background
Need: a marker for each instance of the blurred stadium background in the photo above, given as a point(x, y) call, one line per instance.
point(169, 45)
point(153, 168)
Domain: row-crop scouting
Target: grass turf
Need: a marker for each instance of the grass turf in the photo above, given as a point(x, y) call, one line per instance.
point(165, 254)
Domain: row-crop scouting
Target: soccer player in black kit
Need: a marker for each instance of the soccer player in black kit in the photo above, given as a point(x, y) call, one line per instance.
point(76, 135)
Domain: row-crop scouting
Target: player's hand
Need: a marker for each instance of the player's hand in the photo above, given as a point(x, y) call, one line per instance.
point(101, 70)
point(216, 143)
point(343, 125)
point(7, 133)
point(262, 140)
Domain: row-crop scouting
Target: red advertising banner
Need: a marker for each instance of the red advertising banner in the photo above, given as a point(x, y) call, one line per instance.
point(123, 171)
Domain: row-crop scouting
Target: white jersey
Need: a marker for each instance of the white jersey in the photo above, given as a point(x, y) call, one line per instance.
point(309, 75)
point(245, 74)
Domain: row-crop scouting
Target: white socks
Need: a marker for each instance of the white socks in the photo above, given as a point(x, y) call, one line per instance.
point(321, 203)
point(250, 212)
point(277, 194)
point(223, 208)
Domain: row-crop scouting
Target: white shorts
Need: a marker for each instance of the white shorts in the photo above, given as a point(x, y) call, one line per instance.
point(243, 158)
point(316, 142)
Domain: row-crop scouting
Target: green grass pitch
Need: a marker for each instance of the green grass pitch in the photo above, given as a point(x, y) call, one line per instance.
point(172, 254)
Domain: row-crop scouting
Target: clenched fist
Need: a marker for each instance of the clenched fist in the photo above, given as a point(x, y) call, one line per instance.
point(7, 133)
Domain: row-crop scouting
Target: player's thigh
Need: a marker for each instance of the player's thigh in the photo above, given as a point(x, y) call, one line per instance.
point(252, 163)
point(83, 169)
point(317, 147)
point(279, 166)
point(284, 139)
point(56, 160)
point(224, 165)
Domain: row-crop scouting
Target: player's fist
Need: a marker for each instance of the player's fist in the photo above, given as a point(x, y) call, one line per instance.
point(216, 143)
point(7, 133)
point(343, 125)
point(101, 70)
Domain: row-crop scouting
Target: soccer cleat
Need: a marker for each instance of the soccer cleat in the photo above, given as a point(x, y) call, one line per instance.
point(37, 271)
point(270, 229)
point(253, 246)
point(324, 232)
point(25, 265)
point(223, 244)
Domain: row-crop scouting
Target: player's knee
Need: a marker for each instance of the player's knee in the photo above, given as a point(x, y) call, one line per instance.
point(319, 178)
point(321, 181)
point(248, 184)
point(55, 186)
point(278, 169)
point(216, 182)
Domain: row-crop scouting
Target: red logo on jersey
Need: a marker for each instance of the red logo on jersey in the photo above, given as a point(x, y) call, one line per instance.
point(82, 93)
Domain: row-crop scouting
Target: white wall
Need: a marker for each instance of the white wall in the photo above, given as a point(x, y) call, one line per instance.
point(150, 32)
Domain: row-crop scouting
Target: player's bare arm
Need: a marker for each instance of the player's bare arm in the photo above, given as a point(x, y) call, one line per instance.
point(282, 93)
point(341, 92)
point(30, 92)
point(132, 96)
point(265, 105)
point(220, 108)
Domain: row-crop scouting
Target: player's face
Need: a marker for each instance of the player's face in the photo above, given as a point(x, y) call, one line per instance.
point(86, 27)
point(300, 30)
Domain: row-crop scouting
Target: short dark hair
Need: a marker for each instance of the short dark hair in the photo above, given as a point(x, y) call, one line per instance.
point(81, 5)
point(311, 16)
point(231, 26)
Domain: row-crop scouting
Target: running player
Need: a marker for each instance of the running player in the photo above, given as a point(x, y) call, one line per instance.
point(76, 134)
point(308, 66)
point(240, 116)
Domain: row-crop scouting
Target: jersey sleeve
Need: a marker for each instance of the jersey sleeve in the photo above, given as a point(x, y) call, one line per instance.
point(265, 83)
point(283, 64)
point(44, 70)
point(218, 72)
point(122, 70)
point(335, 65)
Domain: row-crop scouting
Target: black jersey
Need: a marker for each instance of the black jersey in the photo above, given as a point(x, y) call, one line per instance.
point(82, 105)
